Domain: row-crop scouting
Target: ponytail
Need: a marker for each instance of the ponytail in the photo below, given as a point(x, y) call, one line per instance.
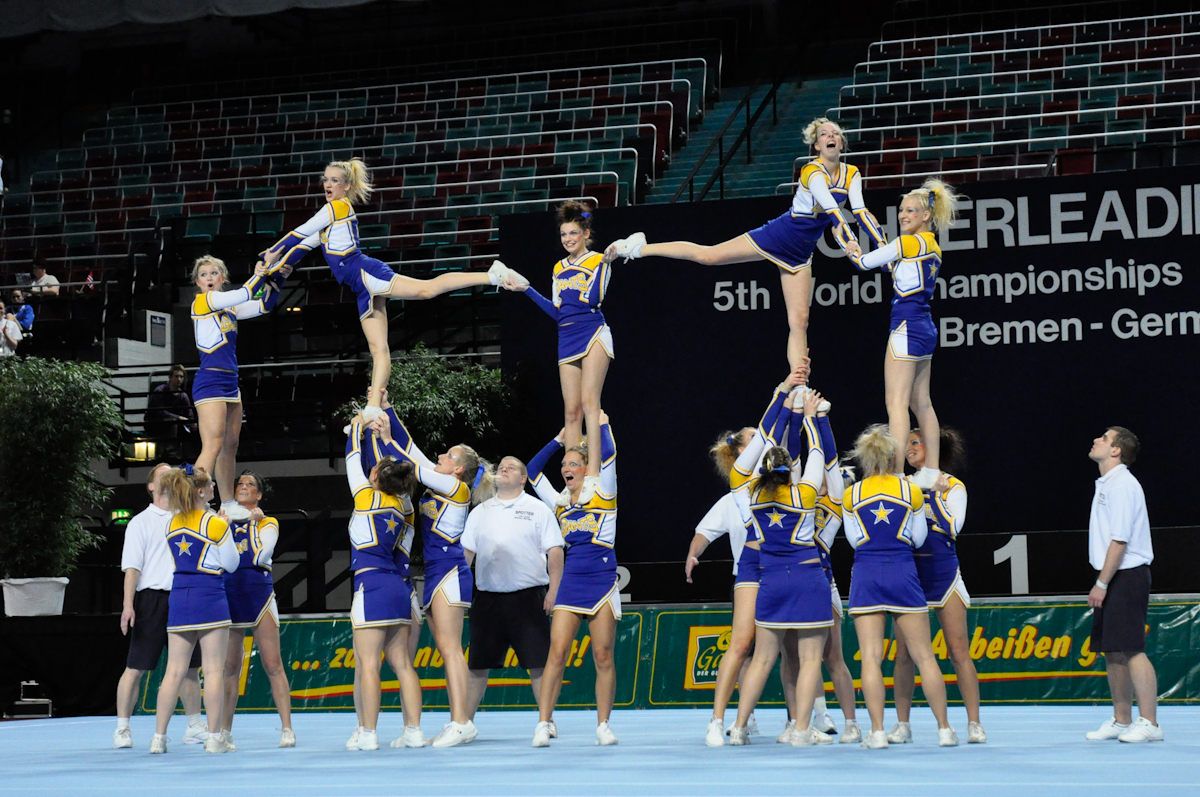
point(477, 473)
point(774, 472)
point(875, 451)
point(358, 179)
point(182, 489)
point(725, 450)
point(939, 199)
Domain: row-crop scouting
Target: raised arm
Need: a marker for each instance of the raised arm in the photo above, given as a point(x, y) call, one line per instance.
point(865, 218)
point(398, 442)
point(747, 461)
point(541, 485)
point(813, 473)
point(212, 301)
point(265, 298)
point(291, 248)
point(354, 466)
point(608, 459)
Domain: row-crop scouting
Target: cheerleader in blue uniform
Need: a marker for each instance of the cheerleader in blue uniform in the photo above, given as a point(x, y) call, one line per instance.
point(914, 260)
point(828, 522)
point(381, 609)
point(251, 595)
point(585, 342)
point(460, 480)
point(335, 229)
point(215, 316)
point(587, 515)
point(788, 241)
point(793, 596)
point(884, 518)
point(198, 612)
point(945, 592)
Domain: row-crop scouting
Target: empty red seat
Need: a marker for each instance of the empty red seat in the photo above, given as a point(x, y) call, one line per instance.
point(897, 144)
point(1075, 161)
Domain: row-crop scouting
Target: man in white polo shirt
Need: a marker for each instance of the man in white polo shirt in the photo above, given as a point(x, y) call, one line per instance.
point(517, 549)
point(149, 571)
point(1119, 548)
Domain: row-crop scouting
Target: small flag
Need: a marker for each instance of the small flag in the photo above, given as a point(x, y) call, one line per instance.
point(90, 282)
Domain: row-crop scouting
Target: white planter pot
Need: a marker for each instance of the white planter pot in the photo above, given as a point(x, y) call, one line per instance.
point(27, 597)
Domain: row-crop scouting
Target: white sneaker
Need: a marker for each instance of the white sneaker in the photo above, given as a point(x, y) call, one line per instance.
point(947, 737)
point(752, 726)
point(876, 740)
point(456, 733)
point(367, 740)
point(158, 743)
point(590, 485)
point(498, 273)
point(823, 722)
point(370, 413)
point(352, 742)
point(738, 736)
point(630, 248)
point(713, 737)
point(553, 729)
point(123, 737)
point(824, 406)
point(541, 735)
point(810, 736)
point(925, 478)
point(412, 737)
point(287, 738)
point(227, 740)
point(215, 744)
point(235, 511)
point(604, 734)
point(975, 733)
point(788, 731)
point(852, 734)
point(901, 733)
point(1111, 729)
point(1142, 730)
point(196, 734)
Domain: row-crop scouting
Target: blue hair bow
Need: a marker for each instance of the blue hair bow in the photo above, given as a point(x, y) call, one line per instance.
point(478, 476)
point(776, 469)
point(729, 440)
point(188, 469)
point(586, 215)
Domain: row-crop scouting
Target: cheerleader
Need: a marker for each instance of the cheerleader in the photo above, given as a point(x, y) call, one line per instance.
point(203, 549)
point(215, 316)
point(884, 518)
point(335, 229)
point(914, 259)
point(585, 343)
point(731, 515)
point(381, 611)
point(789, 240)
point(251, 596)
point(828, 522)
point(945, 592)
point(460, 480)
point(588, 518)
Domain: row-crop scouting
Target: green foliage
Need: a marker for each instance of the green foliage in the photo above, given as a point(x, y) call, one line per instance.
point(55, 419)
point(444, 401)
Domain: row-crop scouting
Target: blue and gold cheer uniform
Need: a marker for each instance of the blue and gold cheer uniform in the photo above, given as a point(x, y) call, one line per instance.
point(249, 589)
point(914, 261)
point(215, 316)
point(937, 559)
point(884, 518)
point(578, 290)
point(203, 549)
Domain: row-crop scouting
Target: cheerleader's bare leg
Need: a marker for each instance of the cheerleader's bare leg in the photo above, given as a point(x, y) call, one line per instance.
point(953, 619)
point(809, 647)
point(904, 680)
point(595, 368)
point(922, 407)
point(214, 644)
point(446, 623)
point(562, 632)
point(789, 670)
point(735, 250)
point(898, 379)
point(839, 673)
point(368, 645)
point(266, 637)
point(234, 658)
point(797, 297)
point(375, 328)
point(915, 628)
point(741, 643)
point(570, 378)
point(220, 425)
point(179, 655)
point(602, 626)
point(869, 628)
point(767, 642)
point(397, 646)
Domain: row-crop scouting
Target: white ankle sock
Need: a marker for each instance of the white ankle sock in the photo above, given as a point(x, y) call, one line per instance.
point(122, 722)
point(194, 719)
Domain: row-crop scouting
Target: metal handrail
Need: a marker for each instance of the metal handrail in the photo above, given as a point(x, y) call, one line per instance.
point(1073, 25)
point(718, 141)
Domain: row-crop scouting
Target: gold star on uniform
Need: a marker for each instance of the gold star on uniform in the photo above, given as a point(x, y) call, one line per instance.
point(391, 524)
point(881, 514)
point(185, 547)
point(776, 518)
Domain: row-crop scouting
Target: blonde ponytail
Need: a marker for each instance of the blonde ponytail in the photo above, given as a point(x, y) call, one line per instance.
point(939, 199)
point(875, 451)
point(725, 451)
point(477, 473)
point(183, 491)
point(358, 179)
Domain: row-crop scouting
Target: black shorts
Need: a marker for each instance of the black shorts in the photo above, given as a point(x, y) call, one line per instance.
point(1119, 626)
point(148, 636)
point(500, 620)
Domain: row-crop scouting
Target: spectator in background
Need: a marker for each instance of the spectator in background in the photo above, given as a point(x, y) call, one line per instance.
point(43, 284)
point(169, 409)
point(10, 332)
point(22, 311)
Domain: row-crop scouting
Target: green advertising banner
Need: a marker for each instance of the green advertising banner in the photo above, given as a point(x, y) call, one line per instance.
point(668, 656)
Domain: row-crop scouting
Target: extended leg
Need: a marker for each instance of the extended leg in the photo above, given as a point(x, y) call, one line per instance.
point(570, 377)
point(797, 296)
point(898, 378)
point(375, 328)
point(922, 407)
point(595, 367)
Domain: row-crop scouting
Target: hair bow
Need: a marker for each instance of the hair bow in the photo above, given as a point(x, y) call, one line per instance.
point(188, 469)
point(586, 215)
point(478, 476)
point(729, 440)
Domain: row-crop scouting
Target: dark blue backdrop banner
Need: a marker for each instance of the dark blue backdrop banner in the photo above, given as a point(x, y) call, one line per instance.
point(1064, 305)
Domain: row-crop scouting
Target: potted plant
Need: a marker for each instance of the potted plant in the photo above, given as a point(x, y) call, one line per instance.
point(55, 419)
